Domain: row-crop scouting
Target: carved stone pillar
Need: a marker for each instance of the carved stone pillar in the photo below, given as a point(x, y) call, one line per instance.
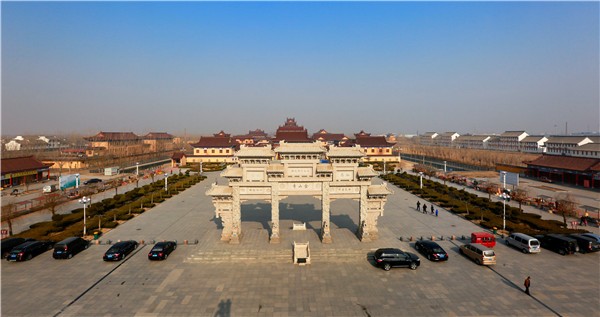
point(236, 217)
point(363, 219)
point(275, 214)
point(225, 217)
point(325, 206)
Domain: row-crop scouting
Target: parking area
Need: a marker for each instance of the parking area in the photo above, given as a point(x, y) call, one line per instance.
point(211, 278)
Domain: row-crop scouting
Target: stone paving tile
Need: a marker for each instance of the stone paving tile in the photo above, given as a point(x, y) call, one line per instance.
point(340, 282)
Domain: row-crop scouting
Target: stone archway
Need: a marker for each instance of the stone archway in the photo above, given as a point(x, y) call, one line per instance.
point(298, 169)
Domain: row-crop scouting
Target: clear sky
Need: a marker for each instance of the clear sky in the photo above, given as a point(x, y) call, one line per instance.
point(199, 67)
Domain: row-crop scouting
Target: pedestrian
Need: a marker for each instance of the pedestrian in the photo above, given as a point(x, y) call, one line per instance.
point(436, 212)
point(581, 220)
point(418, 206)
point(527, 284)
point(431, 208)
point(424, 208)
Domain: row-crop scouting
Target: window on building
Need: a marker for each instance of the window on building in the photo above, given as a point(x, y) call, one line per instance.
point(205, 151)
point(221, 151)
point(212, 151)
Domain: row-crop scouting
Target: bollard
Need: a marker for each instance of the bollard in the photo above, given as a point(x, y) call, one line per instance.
point(400, 239)
point(142, 242)
point(421, 238)
point(432, 238)
point(119, 240)
point(185, 242)
point(98, 242)
point(108, 242)
point(196, 241)
point(412, 238)
point(452, 237)
point(463, 238)
point(441, 238)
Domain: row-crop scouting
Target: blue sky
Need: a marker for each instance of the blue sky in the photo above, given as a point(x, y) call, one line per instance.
point(199, 67)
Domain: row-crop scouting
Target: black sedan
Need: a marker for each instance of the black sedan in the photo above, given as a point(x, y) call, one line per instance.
point(431, 250)
point(161, 250)
point(9, 243)
point(120, 250)
point(26, 251)
point(391, 257)
point(92, 181)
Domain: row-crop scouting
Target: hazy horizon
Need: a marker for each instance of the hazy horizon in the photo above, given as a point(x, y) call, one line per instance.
point(382, 67)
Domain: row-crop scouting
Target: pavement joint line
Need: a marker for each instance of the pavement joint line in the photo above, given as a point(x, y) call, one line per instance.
point(98, 281)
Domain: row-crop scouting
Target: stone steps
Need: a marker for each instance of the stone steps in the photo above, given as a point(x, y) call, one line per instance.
point(276, 256)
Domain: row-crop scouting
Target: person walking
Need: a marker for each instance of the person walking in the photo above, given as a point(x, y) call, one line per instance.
point(424, 208)
point(436, 212)
point(431, 208)
point(418, 206)
point(527, 283)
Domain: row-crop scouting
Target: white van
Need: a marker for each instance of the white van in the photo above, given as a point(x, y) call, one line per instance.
point(523, 242)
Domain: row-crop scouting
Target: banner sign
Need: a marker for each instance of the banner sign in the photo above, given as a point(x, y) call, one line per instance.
point(68, 181)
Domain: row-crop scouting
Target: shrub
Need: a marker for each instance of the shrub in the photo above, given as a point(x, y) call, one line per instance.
point(57, 217)
point(125, 217)
point(77, 210)
point(110, 225)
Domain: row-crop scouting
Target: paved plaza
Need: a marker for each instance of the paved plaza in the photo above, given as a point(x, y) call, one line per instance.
point(256, 278)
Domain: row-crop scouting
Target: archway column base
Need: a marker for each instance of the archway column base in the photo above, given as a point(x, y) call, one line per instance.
point(326, 238)
point(274, 239)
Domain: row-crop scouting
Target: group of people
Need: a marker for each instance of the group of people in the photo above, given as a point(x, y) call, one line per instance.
point(433, 209)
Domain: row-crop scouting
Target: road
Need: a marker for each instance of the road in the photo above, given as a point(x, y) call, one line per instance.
point(22, 223)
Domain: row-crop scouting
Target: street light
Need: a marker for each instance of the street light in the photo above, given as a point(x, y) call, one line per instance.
point(137, 168)
point(503, 201)
point(421, 179)
point(166, 176)
point(84, 200)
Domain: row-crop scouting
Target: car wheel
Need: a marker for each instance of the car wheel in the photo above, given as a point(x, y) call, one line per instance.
point(413, 266)
point(524, 250)
point(562, 252)
point(85, 247)
point(430, 257)
point(507, 243)
point(70, 255)
point(387, 266)
point(460, 251)
point(174, 247)
point(29, 256)
point(166, 256)
point(416, 247)
point(477, 261)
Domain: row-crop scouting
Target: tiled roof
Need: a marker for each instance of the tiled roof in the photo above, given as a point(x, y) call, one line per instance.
point(222, 134)
point(564, 162)
point(595, 167)
point(512, 133)
point(566, 139)
point(285, 147)
point(113, 136)
point(219, 190)
point(361, 133)
point(255, 151)
point(20, 164)
point(157, 136)
point(448, 134)
point(366, 171)
point(178, 155)
point(344, 152)
point(372, 141)
point(328, 136)
point(587, 147)
point(429, 134)
point(533, 138)
point(472, 137)
point(291, 136)
point(258, 133)
point(211, 141)
point(378, 190)
point(232, 171)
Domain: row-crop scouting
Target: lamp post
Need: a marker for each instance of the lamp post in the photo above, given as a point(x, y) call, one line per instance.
point(84, 200)
point(421, 179)
point(166, 176)
point(444, 166)
point(503, 201)
point(137, 168)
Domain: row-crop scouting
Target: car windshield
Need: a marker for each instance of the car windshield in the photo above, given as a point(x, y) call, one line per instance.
point(113, 249)
point(157, 249)
point(16, 250)
point(488, 253)
point(438, 250)
point(534, 242)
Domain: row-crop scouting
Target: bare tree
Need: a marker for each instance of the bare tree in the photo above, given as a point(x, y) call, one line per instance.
point(566, 205)
point(9, 212)
point(520, 195)
point(52, 201)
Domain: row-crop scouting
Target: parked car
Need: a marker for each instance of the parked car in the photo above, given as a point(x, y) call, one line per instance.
point(560, 244)
point(389, 257)
point(545, 179)
point(431, 250)
point(27, 250)
point(586, 244)
point(92, 181)
point(478, 253)
point(68, 247)
point(161, 250)
point(120, 250)
point(592, 235)
point(49, 189)
point(485, 238)
point(523, 242)
point(9, 243)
